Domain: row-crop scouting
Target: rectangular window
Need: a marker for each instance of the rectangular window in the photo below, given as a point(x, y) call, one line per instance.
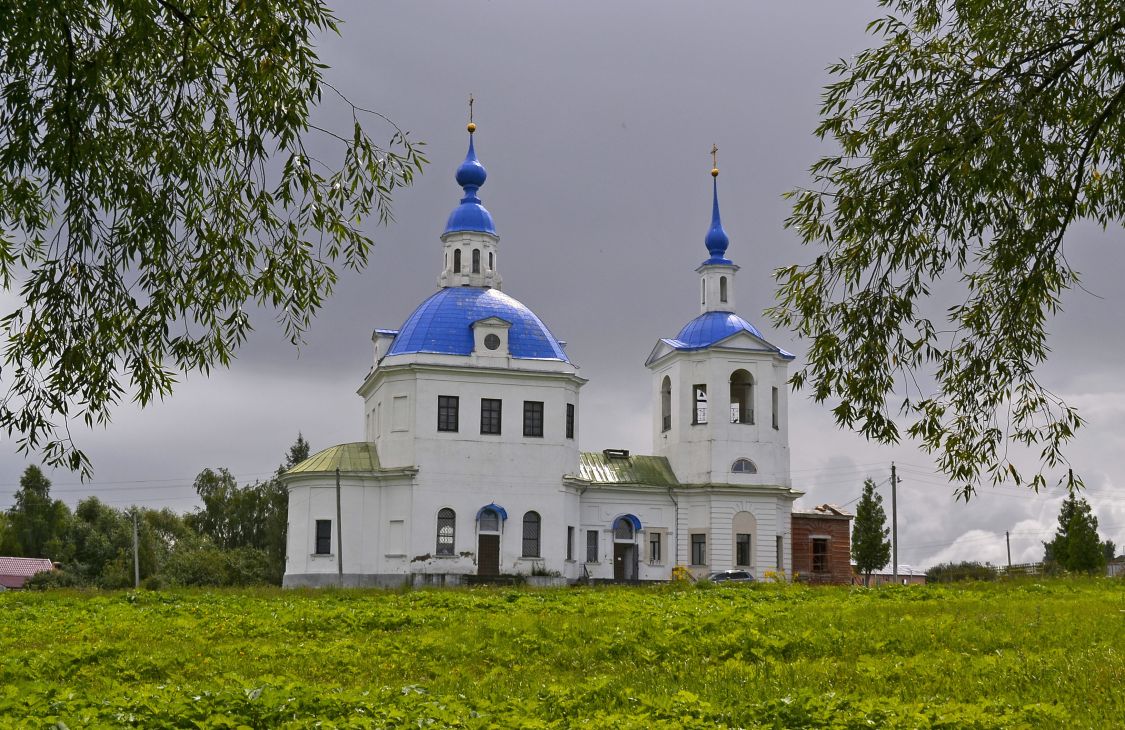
point(447, 407)
point(699, 413)
point(570, 542)
point(780, 554)
point(775, 397)
point(533, 418)
point(591, 546)
point(570, 420)
point(324, 537)
point(490, 415)
point(742, 550)
point(654, 547)
point(698, 549)
point(820, 555)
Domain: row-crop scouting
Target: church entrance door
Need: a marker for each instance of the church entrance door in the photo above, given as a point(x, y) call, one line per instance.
point(624, 561)
point(488, 555)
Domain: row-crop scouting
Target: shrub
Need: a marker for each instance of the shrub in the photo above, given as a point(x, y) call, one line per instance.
point(966, 570)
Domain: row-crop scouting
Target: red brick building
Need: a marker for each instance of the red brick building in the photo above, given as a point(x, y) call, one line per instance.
point(822, 546)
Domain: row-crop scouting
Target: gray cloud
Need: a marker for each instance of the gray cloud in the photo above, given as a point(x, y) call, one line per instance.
point(595, 124)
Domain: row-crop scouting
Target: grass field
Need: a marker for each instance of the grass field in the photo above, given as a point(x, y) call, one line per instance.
point(1010, 655)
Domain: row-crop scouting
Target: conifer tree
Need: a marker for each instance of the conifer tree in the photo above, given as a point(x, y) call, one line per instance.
point(870, 547)
point(1076, 546)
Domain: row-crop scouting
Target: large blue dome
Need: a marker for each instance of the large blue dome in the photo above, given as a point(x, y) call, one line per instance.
point(443, 324)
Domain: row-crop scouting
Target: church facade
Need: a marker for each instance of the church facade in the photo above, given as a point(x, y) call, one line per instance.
point(470, 462)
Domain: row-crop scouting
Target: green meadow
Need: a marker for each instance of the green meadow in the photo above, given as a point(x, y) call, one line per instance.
point(983, 655)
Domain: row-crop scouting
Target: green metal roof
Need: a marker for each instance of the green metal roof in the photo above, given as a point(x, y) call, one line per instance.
point(598, 468)
point(356, 457)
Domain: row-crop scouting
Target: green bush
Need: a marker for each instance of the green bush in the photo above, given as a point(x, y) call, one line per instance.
point(953, 572)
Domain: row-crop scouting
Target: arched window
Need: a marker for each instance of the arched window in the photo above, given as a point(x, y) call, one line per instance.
point(476, 260)
point(456, 261)
point(722, 289)
point(743, 466)
point(531, 524)
point(666, 404)
point(703, 291)
point(446, 525)
point(623, 530)
point(490, 267)
point(489, 521)
point(741, 397)
point(745, 528)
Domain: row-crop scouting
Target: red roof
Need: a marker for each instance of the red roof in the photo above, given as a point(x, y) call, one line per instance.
point(14, 572)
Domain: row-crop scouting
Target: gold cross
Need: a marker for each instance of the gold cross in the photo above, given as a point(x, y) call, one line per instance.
point(471, 107)
point(714, 155)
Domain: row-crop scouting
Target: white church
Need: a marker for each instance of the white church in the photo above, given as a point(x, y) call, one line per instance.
point(470, 464)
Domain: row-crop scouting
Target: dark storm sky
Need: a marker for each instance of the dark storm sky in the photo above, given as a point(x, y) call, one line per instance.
point(595, 124)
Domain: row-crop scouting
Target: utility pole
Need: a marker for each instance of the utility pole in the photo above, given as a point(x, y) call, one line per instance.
point(136, 553)
point(1008, 542)
point(339, 533)
point(894, 522)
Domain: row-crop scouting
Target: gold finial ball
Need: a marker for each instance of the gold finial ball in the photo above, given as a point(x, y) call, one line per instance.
point(714, 172)
point(472, 127)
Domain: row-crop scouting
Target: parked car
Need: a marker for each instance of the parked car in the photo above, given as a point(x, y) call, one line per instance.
point(731, 576)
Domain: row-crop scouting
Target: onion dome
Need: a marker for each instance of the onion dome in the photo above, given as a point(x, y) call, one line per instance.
point(716, 240)
point(470, 215)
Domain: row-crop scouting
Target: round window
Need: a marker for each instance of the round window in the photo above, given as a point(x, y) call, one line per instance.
point(491, 341)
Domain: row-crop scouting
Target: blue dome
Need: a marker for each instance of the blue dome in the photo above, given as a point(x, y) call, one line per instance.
point(470, 215)
point(443, 324)
point(710, 327)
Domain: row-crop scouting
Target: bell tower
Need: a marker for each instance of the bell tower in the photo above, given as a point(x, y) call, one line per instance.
point(719, 388)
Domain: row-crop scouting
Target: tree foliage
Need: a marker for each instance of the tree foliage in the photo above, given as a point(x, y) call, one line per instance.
point(870, 547)
point(161, 173)
point(969, 142)
point(36, 523)
point(1076, 546)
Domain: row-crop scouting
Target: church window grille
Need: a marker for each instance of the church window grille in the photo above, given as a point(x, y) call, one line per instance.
point(741, 397)
point(820, 555)
point(570, 420)
point(490, 415)
point(698, 548)
point(723, 289)
point(666, 404)
point(446, 527)
point(492, 341)
point(456, 261)
point(699, 415)
point(323, 537)
point(623, 530)
point(489, 521)
point(533, 418)
point(591, 546)
point(775, 396)
point(476, 260)
point(447, 414)
point(654, 545)
point(743, 466)
point(531, 525)
point(742, 550)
